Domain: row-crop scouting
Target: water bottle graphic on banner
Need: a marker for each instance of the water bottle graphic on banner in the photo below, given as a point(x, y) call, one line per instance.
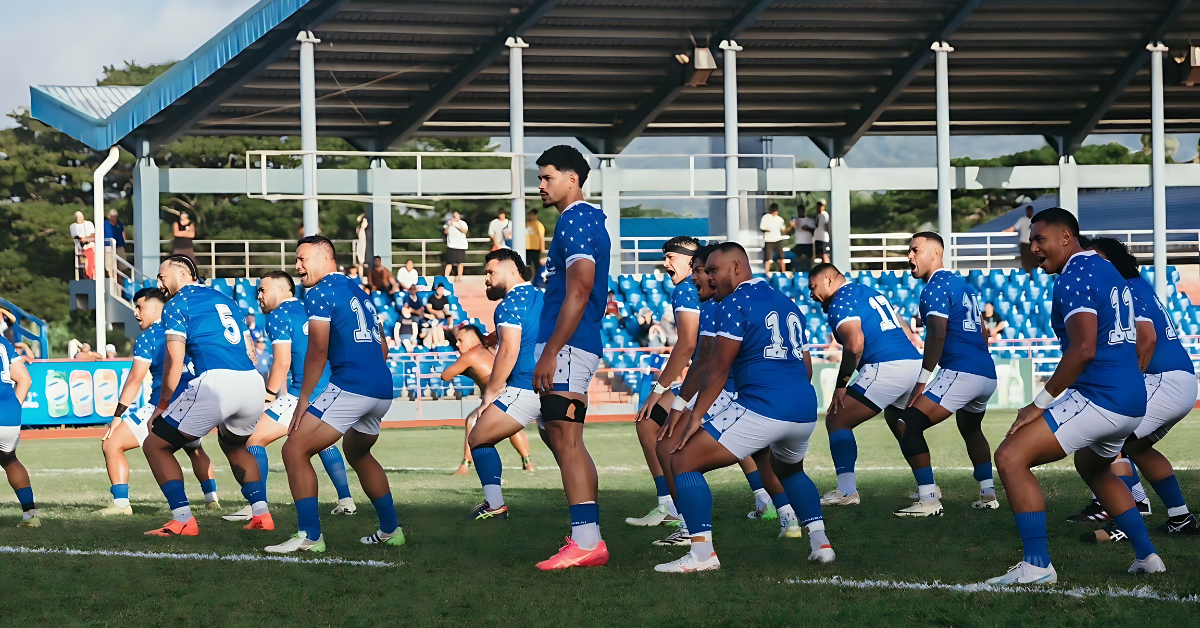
point(106, 391)
point(82, 393)
point(57, 394)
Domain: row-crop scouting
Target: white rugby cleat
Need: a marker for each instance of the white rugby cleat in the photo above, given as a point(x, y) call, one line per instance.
point(655, 517)
point(1149, 564)
point(298, 543)
point(986, 502)
point(791, 530)
point(344, 507)
point(837, 498)
point(244, 514)
point(1024, 573)
point(823, 555)
point(688, 564)
point(922, 508)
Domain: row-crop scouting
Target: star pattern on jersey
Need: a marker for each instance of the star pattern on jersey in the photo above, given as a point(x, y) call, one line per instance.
point(843, 306)
point(684, 296)
point(515, 306)
point(316, 301)
point(579, 235)
point(936, 295)
point(144, 344)
point(708, 316)
point(174, 316)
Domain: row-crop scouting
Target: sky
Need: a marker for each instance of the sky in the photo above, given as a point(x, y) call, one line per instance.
point(67, 42)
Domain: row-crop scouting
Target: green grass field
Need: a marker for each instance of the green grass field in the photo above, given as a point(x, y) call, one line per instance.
point(457, 572)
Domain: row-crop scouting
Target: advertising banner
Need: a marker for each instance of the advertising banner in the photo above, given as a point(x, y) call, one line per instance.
point(67, 392)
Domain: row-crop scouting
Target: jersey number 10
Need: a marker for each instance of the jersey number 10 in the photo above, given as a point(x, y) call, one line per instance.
point(776, 350)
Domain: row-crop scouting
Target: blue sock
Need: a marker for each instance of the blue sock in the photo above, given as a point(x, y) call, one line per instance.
point(386, 511)
point(781, 499)
point(121, 491)
point(176, 496)
point(1032, 527)
point(695, 501)
point(335, 466)
point(1130, 522)
point(983, 472)
point(307, 518)
point(1136, 477)
point(255, 492)
point(207, 486)
point(584, 514)
point(1129, 480)
point(844, 450)
point(1169, 492)
point(801, 491)
point(924, 476)
point(25, 496)
point(755, 480)
point(487, 464)
point(260, 454)
point(660, 485)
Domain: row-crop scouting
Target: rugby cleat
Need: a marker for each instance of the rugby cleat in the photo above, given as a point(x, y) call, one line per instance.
point(177, 528)
point(1093, 512)
point(261, 522)
point(1108, 534)
point(688, 563)
point(32, 522)
point(244, 514)
point(485, 511)
point(922, 508)
point(986, 502)
point(678, 536)
point(115, 510)
point(345, 506)
point(1149, 564)
point(823, 555)
point(768, 513)
point(571, 555)
point(298, 543)
point(937, 492)
point(658, 516)
point(384, 538)
point(1144, 507)
point(1024, 573)
point(213, 505)
point(1182, 524)
point(791, 530)
point(838, 498)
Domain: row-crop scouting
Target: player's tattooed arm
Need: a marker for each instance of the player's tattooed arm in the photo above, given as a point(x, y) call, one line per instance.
point(852, 349)
point(281, 363)
point(1147, 338)
point(172, 371)
point(935, 343)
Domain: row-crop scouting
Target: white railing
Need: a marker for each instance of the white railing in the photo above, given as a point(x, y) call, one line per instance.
point(251, 258)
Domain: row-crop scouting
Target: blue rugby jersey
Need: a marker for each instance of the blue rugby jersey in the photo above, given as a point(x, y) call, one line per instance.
point(708, 327)
point(884, 339)
point(151, 346)
point(288, 324)
point(769, 372)
point(1112, 380)
point(215, 335)
point(356, 360)
point(10, 408)
point(521, 308)
point(949, 296)
point(685, 299)
point(1169, 354)
point(579, 234)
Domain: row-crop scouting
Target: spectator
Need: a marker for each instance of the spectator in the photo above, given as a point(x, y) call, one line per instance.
point(7, 322)
point(656, 337)
point(24, 351)
point(613, 306)
point(821, 234)
point(85, 354)
point(184, 232)
point(992, 323)
point(83, 232)
point(412, 304)
point(456, 243)
point(500, 232)
point(434, 336)
point(772, 226)
point(110, 352)
point(436, 308)
point(353, 274)
point(535, 245)
point(1022, 227)
point(407, 276)
point(360, 240)
point(406, 331)
point(114, 230)
point(667, 320)
point(804, 227)
point(380, 279)
point(256, 334)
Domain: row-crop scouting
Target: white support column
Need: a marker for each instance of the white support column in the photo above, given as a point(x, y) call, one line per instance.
point(380, 215)
point(610, 203)
point(516, 139)
point(98, 261)
point(145, 212)
point(1068, 184)
point(839, 214)
point(308, 128)
point(945, 182)
point(733, 209)
point(1158, 165)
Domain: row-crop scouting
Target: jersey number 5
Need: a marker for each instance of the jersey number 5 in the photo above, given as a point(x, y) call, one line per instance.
point(776, 350)
point(229, 323)
point(1122, 333)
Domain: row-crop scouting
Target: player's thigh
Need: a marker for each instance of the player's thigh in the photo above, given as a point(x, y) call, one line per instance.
point(311, 436)
point(268, 431)
point(1032, 445)
point(10, 437)
point(197, 410)
point(123, 439)
point(855, 411)
point(702, 453)
point(952, 391)
point(791, 443)
point(358, 444)
point(741, 431)
point(1077, 422)
point(493, 426)
point(574, 369)
point(344, 410)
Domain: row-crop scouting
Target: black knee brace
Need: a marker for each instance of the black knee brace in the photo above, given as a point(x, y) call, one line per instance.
point(169, 433)
point(915, 423)
point(658, 415)
point(559, 408)
point(968, 422)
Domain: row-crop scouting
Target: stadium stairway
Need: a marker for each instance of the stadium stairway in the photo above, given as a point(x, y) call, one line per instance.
point(471, 295)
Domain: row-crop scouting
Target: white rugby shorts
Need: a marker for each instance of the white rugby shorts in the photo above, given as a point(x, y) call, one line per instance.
point(887, 383)
point(282, 409)
point(744, 432)
point(344, 410)
point(1078, 423)
point(138, 424)
point(523, 405)
point(956, 390)
point(722, 402)
point(219, 396)
point(1170, 396)
point(575, 368)
point(10, 435)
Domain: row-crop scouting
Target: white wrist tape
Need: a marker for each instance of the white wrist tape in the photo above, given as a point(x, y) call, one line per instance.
point(679, 404)
point(1043, 399)
point(924, 376)
point(659, 388)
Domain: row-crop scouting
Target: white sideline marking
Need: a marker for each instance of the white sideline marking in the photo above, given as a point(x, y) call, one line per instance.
point(1076, 592)
point(250, 558)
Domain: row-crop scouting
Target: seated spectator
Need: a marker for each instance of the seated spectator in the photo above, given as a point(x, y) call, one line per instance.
point(110, 352)
point(645, 319)
point(614, 307)
point(656, 337)
point(992, 323)
point(406, 331)
point(407, 276)
point(353, 274)
point(434, 336)
point(668, 324)
point(437, 307)
point(412, 304)
point(24, 351)
point(380, 278)
point(86, 354)
point(256, 334)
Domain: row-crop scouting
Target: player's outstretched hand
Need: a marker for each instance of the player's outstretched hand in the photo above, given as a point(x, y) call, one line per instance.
point(837, 402)
point(648, 407)
point(543, 373)
point(1025, 416)
point(691, 427)
point(111, 427)
point(916, 392)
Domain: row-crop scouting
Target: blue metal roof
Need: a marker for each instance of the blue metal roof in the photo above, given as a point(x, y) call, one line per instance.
point(1111, 210)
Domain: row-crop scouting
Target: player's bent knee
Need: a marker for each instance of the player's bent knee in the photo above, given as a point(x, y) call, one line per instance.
point(7, 458)
point(915, 423)
point(559, 408)
point(968, 422)
point(169, 434)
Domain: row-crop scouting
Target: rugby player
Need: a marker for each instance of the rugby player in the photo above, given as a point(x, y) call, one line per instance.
point(678, 253)
point(226, 393)
point(1096, 410)
point(287, 332)
point(874, 341)
point(509, 403)
point(14, 386)
point(344, 333)
point(128, 431)
point(761, 341)
point(954, 340)
point(475, 361)
point(568, 345)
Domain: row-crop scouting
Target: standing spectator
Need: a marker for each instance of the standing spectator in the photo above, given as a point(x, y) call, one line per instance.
point(184, 232)
point(83, 232)
point(456, 243)
point(804, 228)
point(992, 323)
point(771, 225)
point(360, 240)
point(535, 245)
point(380, 279)
point(114, 230)
point(407, 276)
point(86, 354)
point(436, 308)
point(353, 274)
point(500, 231)
point(1022, 227)
point(821, 234)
